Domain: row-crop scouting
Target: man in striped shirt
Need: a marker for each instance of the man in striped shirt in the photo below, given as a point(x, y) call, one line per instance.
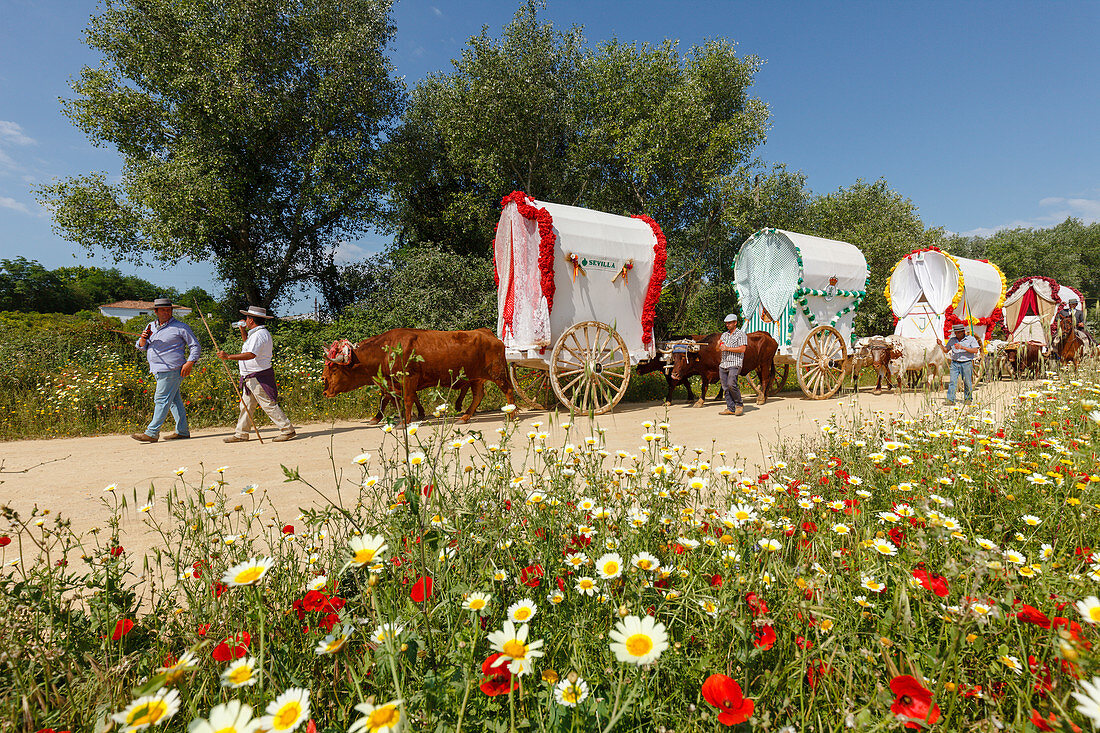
point(731, 346)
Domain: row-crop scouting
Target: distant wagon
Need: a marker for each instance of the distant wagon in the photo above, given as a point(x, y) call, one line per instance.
point(1031, 305)
point(576, 294)
point(804, 291)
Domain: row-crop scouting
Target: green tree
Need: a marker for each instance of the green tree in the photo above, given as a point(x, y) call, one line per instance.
point(625, 128)
point(27, 286)
point(884, 225)
point(249, 131)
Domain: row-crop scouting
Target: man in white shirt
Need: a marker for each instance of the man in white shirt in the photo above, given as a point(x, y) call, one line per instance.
point(257, 377)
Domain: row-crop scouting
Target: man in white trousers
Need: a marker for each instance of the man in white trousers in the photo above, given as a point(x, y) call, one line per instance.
point(257, 377)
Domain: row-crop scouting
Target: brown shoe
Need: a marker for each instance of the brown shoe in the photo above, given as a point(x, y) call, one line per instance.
point(144, 438)
point(236, 439)
point(284, 437)
point(174, 436)
point(739, 410)
point(725, 412)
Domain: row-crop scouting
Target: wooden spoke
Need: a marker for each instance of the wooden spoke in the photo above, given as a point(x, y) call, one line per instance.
point(532, 387)
point(820, 361)
point(599, 379)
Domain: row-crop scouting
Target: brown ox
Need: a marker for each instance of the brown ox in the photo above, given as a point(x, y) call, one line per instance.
point(407, 360)
point(759, 357)
point(658, 363)
point(1022, 358)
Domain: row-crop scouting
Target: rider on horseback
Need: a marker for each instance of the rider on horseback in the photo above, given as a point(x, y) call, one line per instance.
point(1078, 315)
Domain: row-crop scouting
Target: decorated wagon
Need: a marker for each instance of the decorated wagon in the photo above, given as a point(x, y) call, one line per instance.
point(804, 291)
point(576, 294)
point(1031, 305)
point(930, 291)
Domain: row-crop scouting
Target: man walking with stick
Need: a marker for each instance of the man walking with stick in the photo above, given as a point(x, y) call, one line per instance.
point(257, 377)
point(164, 342)
point(732, 346)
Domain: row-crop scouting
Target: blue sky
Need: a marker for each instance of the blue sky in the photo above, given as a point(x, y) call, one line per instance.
point(985, 114)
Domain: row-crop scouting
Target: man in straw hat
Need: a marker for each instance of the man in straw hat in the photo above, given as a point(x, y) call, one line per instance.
point(257, 377)
point(962, 348)
point(732, 346)
point(165, 341)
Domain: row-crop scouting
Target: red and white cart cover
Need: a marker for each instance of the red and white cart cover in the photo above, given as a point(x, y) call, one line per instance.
point(930, 291)
point(1030, 307)
point(559, 265)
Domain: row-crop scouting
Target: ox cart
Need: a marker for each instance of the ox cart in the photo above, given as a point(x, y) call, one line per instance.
point(1030, 308)
point(804, 291)
point(576, 293)
point(929, 291)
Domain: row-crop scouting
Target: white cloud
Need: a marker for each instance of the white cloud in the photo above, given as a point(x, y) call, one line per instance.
point(10, 132)
point(7, 202)
point(1058, 209)
point(348, 252)
point(437, 11)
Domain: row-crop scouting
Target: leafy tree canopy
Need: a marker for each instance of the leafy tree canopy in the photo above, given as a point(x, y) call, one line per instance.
point(249, 131)
point(626, 128)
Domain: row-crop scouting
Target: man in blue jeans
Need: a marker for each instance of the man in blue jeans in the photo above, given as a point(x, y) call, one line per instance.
point(172, 351)
point(962, 348)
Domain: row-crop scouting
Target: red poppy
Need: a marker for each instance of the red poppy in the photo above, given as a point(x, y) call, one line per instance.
point(219, 588)
point(122, 628)
point(756, 604)
point(1042, 723)
point(5, 541)
point(725, 694)
point(531, 575)
point(203, 628)
point(288, 529)
point(765, 637)
point(913, 703)
point(716, 581)
point(815, 671)
point(935, 583)
point(117, 550)
point(498, 680)
point(1031, 615)
point(232, 648)
point(422, 589)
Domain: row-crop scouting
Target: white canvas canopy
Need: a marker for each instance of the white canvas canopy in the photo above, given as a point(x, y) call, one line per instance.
point(1066, 294)
point(788, 283)
point(1030, 307)
point(926, 284)
point(601, 266)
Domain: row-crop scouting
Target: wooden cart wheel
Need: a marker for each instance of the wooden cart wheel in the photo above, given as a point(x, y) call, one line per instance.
point(590, 367)
point(532, 387)
point(820, 363)
point(778, 380)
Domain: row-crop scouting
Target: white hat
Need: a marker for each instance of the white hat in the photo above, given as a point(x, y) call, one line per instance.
point(256, 312)
point(731, 317)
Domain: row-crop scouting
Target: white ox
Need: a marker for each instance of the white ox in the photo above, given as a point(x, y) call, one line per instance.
point(914, 355)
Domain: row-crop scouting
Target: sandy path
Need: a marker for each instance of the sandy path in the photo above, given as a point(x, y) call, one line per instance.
point(78, 469)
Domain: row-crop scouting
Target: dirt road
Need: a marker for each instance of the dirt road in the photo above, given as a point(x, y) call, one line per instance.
point(68, 475)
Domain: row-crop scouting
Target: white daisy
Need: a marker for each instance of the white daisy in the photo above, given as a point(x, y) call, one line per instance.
point(638, 640)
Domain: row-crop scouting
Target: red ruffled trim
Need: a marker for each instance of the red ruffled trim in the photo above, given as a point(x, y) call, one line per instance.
point(949, 321)
point(656, 279)
point(546, 241)
point(1019, 284)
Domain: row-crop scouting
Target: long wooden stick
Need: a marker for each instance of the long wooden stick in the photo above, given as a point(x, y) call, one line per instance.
point(237, 391)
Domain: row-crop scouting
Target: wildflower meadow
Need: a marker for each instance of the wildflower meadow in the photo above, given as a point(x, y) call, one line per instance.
point(920, 573)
